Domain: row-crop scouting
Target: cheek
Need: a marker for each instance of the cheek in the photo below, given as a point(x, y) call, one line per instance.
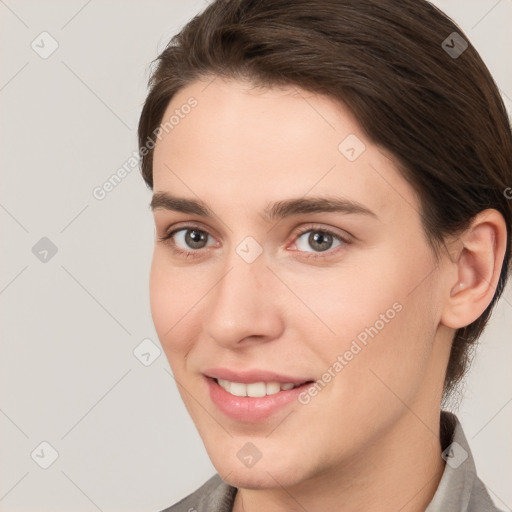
point(171, 300)
point(356, 300)
point(385, 320)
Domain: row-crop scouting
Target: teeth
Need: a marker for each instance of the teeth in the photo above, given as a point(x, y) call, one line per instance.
point(255, 389)
point(224, 384)
point(271, 388)
point(237, 389)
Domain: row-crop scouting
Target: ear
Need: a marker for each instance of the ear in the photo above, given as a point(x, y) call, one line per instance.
point(476, 269)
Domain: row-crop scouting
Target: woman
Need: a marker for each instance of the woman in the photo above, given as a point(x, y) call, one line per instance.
point(333, 230)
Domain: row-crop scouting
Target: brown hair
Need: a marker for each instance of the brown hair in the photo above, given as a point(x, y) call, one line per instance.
point(438, 113)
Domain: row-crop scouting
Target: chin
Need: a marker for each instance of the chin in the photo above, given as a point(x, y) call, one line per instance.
point(257, 480)
point(263, 475)
point(247, 480)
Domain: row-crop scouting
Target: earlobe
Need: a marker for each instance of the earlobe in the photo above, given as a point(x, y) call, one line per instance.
point(477, 269)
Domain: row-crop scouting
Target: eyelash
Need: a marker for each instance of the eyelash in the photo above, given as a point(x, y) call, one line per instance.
point(167, 239)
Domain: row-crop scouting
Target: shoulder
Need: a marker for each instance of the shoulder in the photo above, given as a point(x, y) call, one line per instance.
point(214, 495)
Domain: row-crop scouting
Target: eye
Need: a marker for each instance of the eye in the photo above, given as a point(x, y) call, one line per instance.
point(321, 240)
point(186, 241)
point(192, 238)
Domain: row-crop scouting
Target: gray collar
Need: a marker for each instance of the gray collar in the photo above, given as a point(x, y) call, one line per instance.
point(460, 489)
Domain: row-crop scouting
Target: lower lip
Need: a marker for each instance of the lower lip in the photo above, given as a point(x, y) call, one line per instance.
point(248, 408)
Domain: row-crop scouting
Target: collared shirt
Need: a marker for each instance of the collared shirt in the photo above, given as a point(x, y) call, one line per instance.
point(459, 490)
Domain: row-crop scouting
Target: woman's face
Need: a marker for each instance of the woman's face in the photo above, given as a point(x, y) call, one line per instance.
point(271, 290)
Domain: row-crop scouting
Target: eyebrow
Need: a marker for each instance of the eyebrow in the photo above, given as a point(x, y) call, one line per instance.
point(273, 211)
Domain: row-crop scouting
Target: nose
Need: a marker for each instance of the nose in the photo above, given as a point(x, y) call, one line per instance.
point(245, 305)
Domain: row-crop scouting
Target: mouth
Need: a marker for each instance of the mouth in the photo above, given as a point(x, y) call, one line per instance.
point(252, 402)
point(256, 389)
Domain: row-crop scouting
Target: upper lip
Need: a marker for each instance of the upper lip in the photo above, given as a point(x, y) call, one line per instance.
point(253, 375)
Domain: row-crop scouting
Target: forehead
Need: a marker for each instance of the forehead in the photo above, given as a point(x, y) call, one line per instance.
point(253, 145)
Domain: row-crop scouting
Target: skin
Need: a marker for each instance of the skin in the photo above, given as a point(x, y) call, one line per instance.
point(369, 441)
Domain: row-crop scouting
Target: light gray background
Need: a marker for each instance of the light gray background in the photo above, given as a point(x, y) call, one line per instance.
point(68, 375)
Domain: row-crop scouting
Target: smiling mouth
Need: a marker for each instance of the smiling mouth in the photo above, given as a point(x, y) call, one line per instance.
point(257, 389)
point(254, 400)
